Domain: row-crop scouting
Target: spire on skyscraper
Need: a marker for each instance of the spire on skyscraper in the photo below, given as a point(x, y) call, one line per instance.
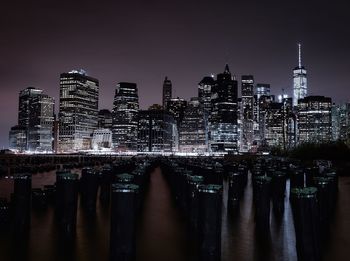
point(299, 49)
point(227, 69)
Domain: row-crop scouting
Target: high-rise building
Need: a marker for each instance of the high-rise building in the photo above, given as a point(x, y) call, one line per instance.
point(263, 105)
point(35, 122)
point(299, 81)
point(262, 89)
point(24, 105)
point(205, 87)
point(41, 120)
point(78, 113)
point(177, 107)
point(192, 130)
point(223, 117)
point(314, 119)
point(247, 113)
point(105, 119)
point(274, 124)
point(204, 93)
point(156, 130)
point(167, 92)
point(125, 117)
point(341, 122)
point(18, 138)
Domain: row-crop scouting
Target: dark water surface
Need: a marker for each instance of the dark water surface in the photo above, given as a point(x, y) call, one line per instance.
point(162, 230)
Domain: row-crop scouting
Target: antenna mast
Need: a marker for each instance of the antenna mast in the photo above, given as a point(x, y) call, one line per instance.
point(299, 47)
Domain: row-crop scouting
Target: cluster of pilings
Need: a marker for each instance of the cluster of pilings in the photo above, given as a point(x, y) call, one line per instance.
point(197, 189)
point(313, 197)
point(120, 183)
point(313, 193)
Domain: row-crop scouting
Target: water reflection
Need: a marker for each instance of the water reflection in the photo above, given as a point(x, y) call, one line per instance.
point(162, 234)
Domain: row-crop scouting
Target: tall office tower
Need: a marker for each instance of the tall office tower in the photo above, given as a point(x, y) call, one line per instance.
point(167, 92)
point(341, 122)
point(78, 115)
point(205, 87)
point(192, 131)
point(41, 120)
point(18, 138)
point(156, 130)
point(204, 93)
point(105, 119)
point(314, 119)
point(24, 105)
point(299, 81)
point(273, 132)
point(280, 124)
point(177, 107)
point(262, 89)
point(223, 118)
point(263, 104)
point(125, 117)
point(247, 112)
point(35, 121)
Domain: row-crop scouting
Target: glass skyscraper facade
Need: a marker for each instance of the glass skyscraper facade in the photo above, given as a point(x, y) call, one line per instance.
point(299, 81)
point(223, 135)
point(192, 131)
point(78, 112)
point(125, 117)
point(34, 131)
point(167, 92)
point(247, 113)
point(315, 119)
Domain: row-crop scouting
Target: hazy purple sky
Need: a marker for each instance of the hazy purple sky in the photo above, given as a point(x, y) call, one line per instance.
point(144, 41)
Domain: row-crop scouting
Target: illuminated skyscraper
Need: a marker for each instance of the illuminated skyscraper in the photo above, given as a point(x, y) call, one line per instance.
point(247, 112)
point(167, 92)
point(204, 93)
point(35, 122)
point(125, 117)
point(192, 131)
point(223, 117)
point(156, 130)
point(78, 116)
point(177, 107)
point(41, 119)
point(262, 89)
point(299, 81)
point(315, 119)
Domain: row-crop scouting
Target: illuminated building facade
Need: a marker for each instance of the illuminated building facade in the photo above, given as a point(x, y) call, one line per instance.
point(105, 119)
point(41, 120)
point(223, 118)
point(78, 112)
point(314, 119)
point(125, 117)
point(192, 131)
point(247, 113)
point(102, 139)
point(299, 81)
point(262, 89)
point(18, 138)
point(156, 131)
point(205, 87)
point(341, 122)
point(35, 122)
point(177, 107)
point(167, 92)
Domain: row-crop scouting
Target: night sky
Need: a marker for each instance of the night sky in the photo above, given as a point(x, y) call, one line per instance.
point(144, 41)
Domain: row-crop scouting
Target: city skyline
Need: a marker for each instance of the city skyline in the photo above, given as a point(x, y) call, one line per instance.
point(263, 46)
